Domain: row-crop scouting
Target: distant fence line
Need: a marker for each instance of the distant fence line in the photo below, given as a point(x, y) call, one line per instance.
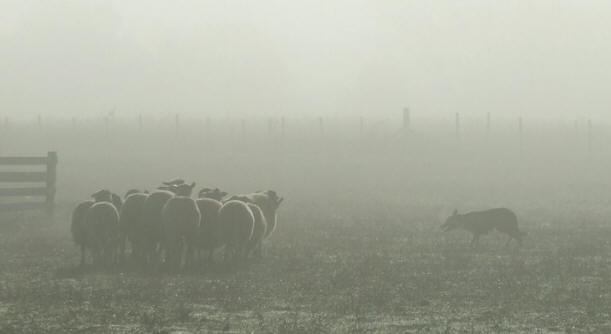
point(320, 122)
point(46, 181)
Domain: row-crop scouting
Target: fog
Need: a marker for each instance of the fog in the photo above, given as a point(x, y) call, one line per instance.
point(361, 149)
point(305, 58)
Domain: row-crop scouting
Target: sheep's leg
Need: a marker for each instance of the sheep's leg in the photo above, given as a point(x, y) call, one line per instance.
point(82, 255)
point(259, 249)
point(509, 238)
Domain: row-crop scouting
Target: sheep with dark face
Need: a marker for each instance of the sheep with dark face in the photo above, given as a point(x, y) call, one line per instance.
point(180, 222)
point(132, 226)
point(215, 193)
point(209, 229)
point(102, 222)
point(79, 229)
point(151, 229)
point(236, 221)
point(269, 202)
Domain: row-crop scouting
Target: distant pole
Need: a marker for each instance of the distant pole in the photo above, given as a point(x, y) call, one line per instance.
point(589, 136)
point(321, 126)
point(361, 126)
point(74, 123)
point(6, 122)
point(106, 125)
point(243, 128)
point(39, 121)
point(282, 125)
point(458, 126)
point(487, 125)
point(406, 119)
point(177, 122)
point(140, 122)
point(208, 125)
point(521, 133)
point(269, 126)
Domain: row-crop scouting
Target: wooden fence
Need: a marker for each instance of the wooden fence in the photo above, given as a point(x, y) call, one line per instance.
point(44, 182)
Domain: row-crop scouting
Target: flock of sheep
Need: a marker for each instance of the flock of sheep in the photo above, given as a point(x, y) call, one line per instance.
point(168, 226)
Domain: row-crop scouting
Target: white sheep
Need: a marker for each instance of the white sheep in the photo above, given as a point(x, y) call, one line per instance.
point(131, 225)
point(236, 221)
point(209, 231)
point(79, 229)
point(268, 201)
point(102, 220)
point(180, 222)
point(151, 232)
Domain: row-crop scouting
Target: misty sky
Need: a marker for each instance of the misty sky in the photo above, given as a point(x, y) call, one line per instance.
point(305, 57)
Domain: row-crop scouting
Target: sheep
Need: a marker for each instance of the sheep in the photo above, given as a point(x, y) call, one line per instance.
point(254, 245)
point(116, 201)
point(79, 229)
point(102, 220)
point(215, 193)
point(150, 229)
point(174, 182)
point(268, 201)
point(209, 225)
point(180, 222)
point(134, 191)
point(236, 221)
point(131, 224)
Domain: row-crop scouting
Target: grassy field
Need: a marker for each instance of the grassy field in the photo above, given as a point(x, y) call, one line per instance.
point(358, 247)
point(324, 271)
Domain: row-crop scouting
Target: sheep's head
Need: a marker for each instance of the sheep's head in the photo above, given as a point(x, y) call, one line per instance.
point(183, 189)
point(102, 196)
point(174, 182)
point(215, 193)
point(274, 198)
point(453, 222)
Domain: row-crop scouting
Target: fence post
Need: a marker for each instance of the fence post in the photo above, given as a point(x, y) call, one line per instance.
point(487, 125)
point(282, 126)
point(321, 126)
point(458, 126)
point(51, 180)
point(361, 125)
point(520, 130)
point(589, 136)
point(406, 119)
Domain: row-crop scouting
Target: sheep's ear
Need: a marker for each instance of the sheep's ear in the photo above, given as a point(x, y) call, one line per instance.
point(164, 188)
point(223, 194)
point(279, 200)
point(455, 212)
point(192, 185)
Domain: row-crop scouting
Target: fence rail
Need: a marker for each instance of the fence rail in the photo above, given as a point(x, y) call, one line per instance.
point(47, 178)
